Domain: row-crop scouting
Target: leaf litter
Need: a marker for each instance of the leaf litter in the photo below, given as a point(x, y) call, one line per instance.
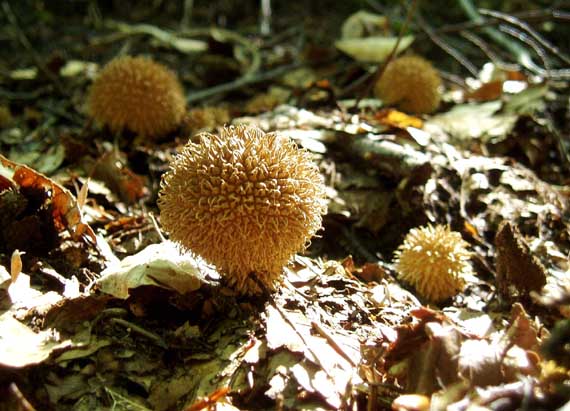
point(99, 311)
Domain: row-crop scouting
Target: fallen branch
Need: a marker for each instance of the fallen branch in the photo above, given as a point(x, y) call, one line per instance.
point(241, 82)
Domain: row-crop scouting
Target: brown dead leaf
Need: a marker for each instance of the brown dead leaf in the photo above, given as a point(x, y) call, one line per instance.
point(516, 266)
point(488, 91)
point(522, 332)
point(61, 203)
point(410, 336)
point(368, 272)
point(70, 313)
point(112, 169)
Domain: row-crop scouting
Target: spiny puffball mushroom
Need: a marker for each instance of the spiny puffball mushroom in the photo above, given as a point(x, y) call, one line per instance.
point(434, 260)
point(137, 94)
point(244, 200)
point(410, 83)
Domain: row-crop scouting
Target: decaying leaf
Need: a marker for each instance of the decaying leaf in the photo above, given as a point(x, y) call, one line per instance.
point(475, 121)
point(162, 265)
point(20, 346)
point(362, 24)
point(436, 353)
point(62, 204)
point(111, 168)
point(372, 49)
point(487, 363)
point(516, 266)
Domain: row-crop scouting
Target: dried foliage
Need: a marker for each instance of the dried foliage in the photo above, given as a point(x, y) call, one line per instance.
point(518, 271)
point(244, 200)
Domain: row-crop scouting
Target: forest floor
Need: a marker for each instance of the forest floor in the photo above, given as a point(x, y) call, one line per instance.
point(99, 312)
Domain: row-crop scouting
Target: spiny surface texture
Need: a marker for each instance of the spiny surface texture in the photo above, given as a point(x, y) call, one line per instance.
point(411, 84)
point(434, 260)
point(137, 94)
point(244, 200)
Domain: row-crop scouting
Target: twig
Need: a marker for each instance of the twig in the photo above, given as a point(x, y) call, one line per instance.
point(28, 46)
point(453, 78)
point(141, 331)
point(491, 55)
point(290, 323)
point(184, 45)
point(265, 20)
point(533, 44)
point(187, 14)
point(156, 227)
point(25, 95)
point(525, 27)
point(534, 15)
point(23, 403)
point(94, 13)
point(521, 54)
point(324, 333)
point(389, 157)
point(241, 82)
point(563, 146)
point(456, 54)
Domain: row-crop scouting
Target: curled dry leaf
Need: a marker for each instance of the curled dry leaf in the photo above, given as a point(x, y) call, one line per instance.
point(62, 204)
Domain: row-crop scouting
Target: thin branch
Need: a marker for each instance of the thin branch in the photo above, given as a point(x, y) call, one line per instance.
point(525, 27)
point(188, 7)
point(241, 82)
point(522, 55)
point(456, 54)
point(486, 49)
point(530, 42)
point(546, 72)
point(534, 15)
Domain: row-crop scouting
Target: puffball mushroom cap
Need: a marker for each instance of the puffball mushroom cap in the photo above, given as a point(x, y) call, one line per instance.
point(244, 200)
point(138, 94)
point(410, 83)
point(434, 260)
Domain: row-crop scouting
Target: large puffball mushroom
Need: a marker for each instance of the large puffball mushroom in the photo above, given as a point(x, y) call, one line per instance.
point(410, 83)
point(137, 94)
point(244, 200)
point(434, 260)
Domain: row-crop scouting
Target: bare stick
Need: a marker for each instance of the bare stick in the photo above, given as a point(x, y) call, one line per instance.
point(241, 82)
point(456, 54)
point(525, 27)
